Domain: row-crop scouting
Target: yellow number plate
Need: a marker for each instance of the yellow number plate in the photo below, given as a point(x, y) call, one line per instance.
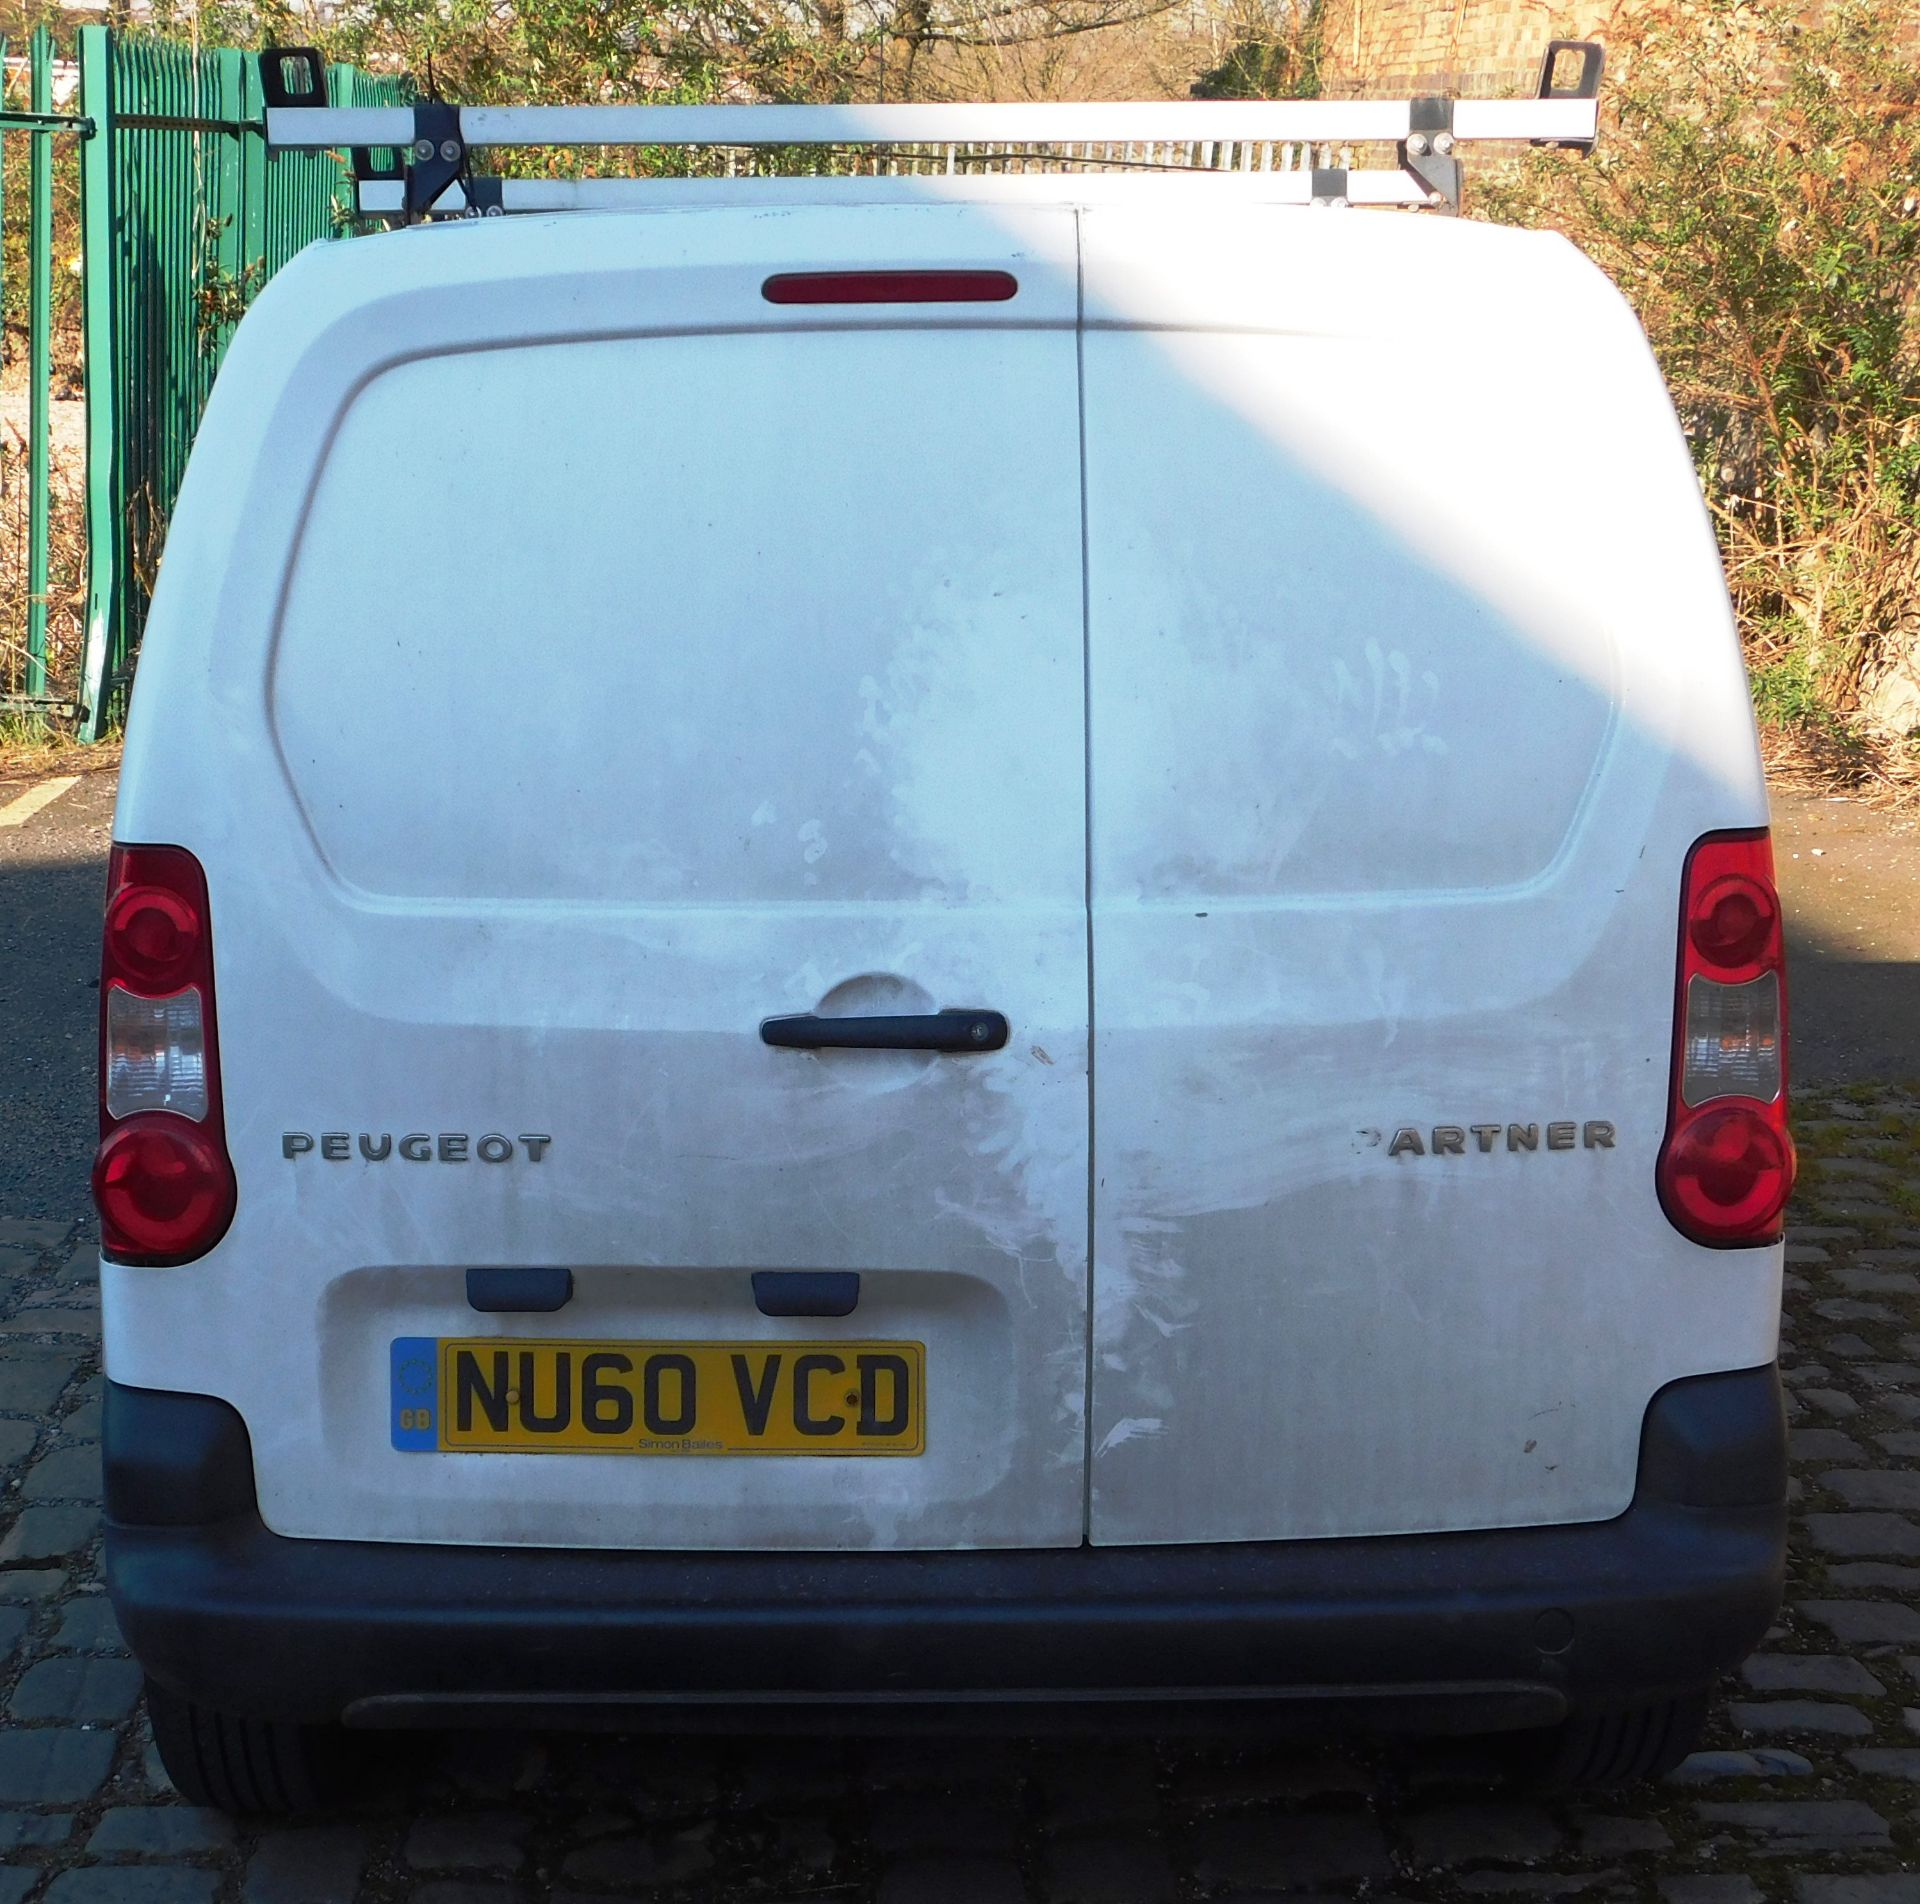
point(487, 1395)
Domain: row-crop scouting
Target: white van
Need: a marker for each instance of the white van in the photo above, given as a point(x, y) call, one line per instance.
point(1000, 942)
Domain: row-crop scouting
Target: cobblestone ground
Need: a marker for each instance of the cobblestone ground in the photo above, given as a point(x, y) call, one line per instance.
point(1809, 1795)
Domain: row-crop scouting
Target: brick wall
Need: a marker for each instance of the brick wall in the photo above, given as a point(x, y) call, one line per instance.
point(1479, 48)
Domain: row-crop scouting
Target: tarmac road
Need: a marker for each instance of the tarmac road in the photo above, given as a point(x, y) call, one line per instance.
point(1850, 884)
point(53, 873)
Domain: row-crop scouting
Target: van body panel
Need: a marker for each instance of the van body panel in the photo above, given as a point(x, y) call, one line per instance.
point(1402, 720)
point(580, 659)
point(641, 661)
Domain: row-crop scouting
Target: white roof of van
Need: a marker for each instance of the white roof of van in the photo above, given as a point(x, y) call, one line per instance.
point(1433, 271)
point(1192, 260)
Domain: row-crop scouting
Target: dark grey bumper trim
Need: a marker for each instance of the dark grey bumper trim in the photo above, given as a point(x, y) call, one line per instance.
point(1659, 1600)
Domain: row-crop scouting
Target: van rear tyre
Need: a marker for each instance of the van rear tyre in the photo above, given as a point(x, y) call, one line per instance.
point(1626, 1746)
point(234, 1764)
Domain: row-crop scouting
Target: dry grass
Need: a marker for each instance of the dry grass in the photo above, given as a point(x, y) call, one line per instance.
point(1809, 759)
point(66, 541)
point(39, 757)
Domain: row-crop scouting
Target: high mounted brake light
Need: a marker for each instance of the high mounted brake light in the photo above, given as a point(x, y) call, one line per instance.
point(162, 1178)
point(889, 287)
point(1726, 1168)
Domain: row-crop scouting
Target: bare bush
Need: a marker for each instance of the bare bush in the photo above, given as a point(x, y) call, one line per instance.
point(1755, 194)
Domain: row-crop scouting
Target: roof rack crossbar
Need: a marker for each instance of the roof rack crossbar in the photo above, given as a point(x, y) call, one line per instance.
point(484, 197)
point(434, 140)
point(1306, 121)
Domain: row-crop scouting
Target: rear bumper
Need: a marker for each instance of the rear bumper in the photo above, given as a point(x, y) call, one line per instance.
point(1448, 1631)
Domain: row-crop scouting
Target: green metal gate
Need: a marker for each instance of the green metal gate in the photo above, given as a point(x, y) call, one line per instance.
point(41, 125)
point(184, 215)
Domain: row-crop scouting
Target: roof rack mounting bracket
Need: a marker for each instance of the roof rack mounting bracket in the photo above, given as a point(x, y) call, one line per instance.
point(1330, 186)
point(364, 167)
point(1426, 153)
point(437, 158)
point(293, 76)
point(1592, 56)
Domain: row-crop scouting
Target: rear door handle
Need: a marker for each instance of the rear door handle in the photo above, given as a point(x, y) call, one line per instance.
point(955, 1031)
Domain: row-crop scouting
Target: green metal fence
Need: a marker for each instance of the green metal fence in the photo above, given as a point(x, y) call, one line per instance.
point(185, 213)
point(40, 125)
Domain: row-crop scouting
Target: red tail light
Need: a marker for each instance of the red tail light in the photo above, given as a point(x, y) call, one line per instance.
point(1726, 1168)
point(162, 1178)
point(890, 287)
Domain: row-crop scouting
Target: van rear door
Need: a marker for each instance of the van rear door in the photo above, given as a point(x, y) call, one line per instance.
point(651, 659)
point(1411, 680)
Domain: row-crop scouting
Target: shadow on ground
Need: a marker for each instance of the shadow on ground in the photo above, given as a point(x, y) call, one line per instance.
point(1850, 884)
point(52, 883)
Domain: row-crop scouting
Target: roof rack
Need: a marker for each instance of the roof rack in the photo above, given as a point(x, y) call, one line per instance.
point(1288, 150)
